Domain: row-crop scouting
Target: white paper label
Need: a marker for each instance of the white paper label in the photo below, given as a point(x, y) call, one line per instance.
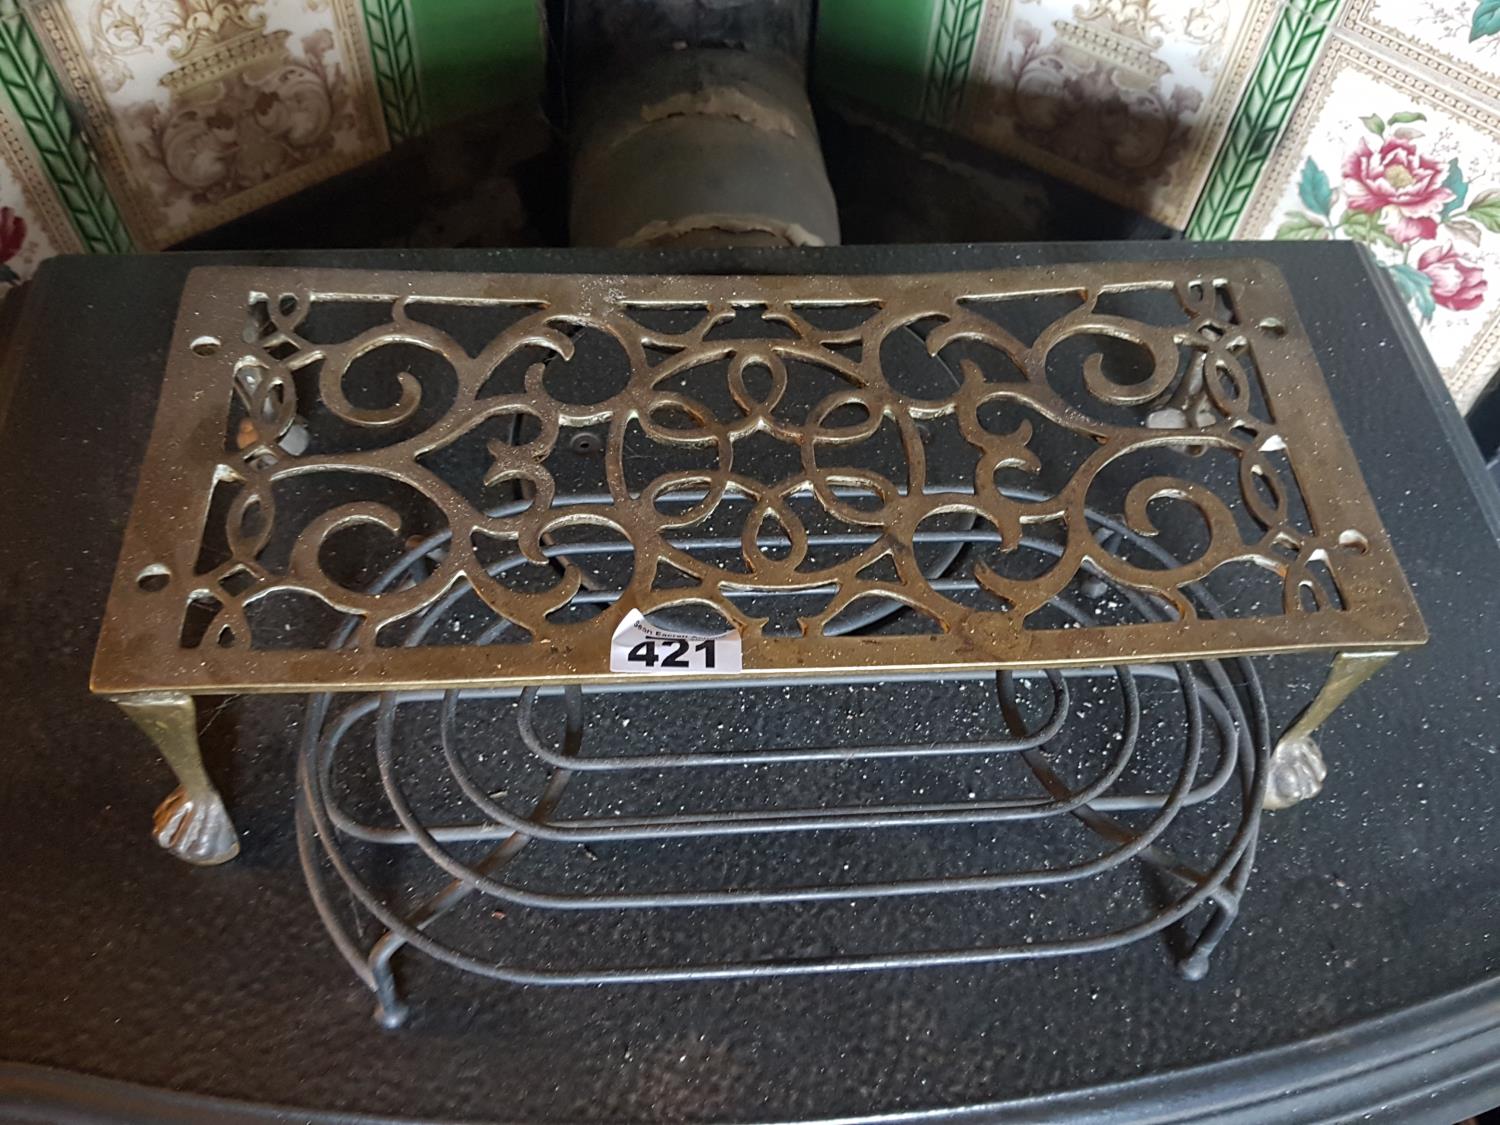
point(644, 649)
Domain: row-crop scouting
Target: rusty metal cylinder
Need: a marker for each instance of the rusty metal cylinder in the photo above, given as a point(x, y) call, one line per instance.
point(700, 147)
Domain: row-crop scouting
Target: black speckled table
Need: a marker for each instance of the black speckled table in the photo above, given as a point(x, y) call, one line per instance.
point(1363, 975)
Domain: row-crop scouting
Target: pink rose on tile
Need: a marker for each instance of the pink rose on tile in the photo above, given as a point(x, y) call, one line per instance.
point(12, 239)
point(12, 234)
point(1399, 177)
point(1457, 283)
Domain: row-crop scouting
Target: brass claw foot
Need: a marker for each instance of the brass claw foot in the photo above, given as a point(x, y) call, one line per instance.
point(192, 823)
point(196, 831)
point(1297, 769)
point(1297, 772)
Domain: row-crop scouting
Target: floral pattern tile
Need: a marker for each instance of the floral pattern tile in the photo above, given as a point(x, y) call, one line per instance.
point(1381, 155)
point(33, 223)
point(25, 240)
point(202, 112)
point(1129, 98)
point(1458, 40)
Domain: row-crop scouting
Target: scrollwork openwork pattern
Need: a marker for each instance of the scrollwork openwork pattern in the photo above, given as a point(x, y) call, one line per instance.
point(729, 439)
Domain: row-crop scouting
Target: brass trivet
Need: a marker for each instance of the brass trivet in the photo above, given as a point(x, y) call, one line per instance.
point(733, 417)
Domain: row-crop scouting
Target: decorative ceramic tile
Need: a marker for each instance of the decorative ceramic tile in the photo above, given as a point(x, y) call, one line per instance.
point(33, 226)
point(955, 33)
point(45, 151)
point(204, 111)
point(1376, 153)
point(1129, 98)
point(34, 223)
point(438, 60)
point(1457, 39)
point(1267, 104)
point(393, 57)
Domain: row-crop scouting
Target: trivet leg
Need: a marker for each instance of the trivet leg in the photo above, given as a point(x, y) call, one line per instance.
point(192, 823)
point(1297, 769)
point(390, 1010)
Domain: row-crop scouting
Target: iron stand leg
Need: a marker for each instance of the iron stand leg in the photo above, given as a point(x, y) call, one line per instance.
point(1297, 768)
point(192, 822)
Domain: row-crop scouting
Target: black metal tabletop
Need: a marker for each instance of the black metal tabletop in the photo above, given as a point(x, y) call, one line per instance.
point(1360, 977)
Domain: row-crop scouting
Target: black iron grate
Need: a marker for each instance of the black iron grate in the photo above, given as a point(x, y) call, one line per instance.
point(527, 837)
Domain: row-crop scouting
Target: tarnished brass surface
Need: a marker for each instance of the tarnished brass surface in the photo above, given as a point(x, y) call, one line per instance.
point(192, 822)
point(1297, 769)
point(257, 400)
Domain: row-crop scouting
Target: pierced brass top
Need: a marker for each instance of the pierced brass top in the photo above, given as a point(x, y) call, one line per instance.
point(561, 449)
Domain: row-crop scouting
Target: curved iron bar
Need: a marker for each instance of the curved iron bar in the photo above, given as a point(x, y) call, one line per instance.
point(1230, 736)
point(312, 818)
point(1221, 885)
point(742, 823)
